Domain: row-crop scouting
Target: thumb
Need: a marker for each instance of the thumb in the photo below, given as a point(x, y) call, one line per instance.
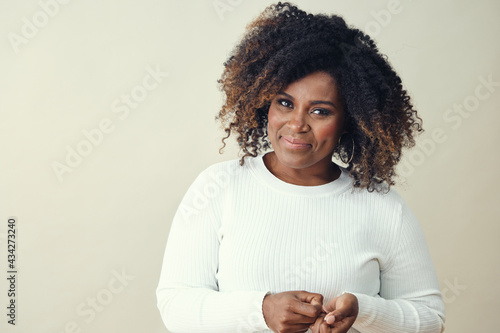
point(329, 318)
point(317, 303)
point(334, 316)
point(331, 306)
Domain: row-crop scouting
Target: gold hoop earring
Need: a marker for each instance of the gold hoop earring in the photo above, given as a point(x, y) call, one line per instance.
point(352, 154)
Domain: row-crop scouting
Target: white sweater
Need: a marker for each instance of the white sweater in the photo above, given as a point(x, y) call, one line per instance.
point(240, 233)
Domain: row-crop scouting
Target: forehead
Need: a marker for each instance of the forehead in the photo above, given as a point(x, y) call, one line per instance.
point(317, 85)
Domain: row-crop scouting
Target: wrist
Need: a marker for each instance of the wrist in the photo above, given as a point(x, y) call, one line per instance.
point(264, 307)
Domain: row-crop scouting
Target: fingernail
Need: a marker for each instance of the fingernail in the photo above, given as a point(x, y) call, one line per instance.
point(330, 320)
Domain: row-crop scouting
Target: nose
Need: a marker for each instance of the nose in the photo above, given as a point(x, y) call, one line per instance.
point(298, 121)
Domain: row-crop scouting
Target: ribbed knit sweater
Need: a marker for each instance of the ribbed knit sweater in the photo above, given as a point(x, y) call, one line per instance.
point(240, 233)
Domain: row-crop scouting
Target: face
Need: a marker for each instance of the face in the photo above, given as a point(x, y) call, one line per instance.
point(305, 121)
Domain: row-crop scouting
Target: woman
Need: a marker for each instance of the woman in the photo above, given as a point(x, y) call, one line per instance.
point(287, 240)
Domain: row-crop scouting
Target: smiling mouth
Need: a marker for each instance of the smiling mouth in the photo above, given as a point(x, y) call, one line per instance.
point(294, 143)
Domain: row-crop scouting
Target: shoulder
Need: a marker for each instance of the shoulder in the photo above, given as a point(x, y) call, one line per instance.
point(229, 166)
point(395, 199)
point(390, 199)
point(208, 192)
point(224, 170)
point(219, 175)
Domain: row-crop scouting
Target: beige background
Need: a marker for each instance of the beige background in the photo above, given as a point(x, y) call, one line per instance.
point(111, 214)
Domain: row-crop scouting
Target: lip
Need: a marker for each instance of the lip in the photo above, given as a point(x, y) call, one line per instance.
point(294, 143)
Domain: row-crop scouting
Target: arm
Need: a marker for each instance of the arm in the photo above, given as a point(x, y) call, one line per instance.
point(410, 299)
point(187, 293)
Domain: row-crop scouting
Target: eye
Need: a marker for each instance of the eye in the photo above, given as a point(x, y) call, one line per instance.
point(321, 112)
point(284, 102)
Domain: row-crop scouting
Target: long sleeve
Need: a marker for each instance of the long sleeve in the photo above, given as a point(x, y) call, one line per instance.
point(240, 233)
point(187, 293)
point(409, 298)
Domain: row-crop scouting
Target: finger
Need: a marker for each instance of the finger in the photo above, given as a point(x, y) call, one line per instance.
point(302, 330)
point(290, 324)
point(315, 328)
point(343, 326)
point(319, 321)
point(330, 318)
point(324, 328)
point(339, 315)
point(317, 303)
point(312, 298)
point(298, 328)
point(305, 309)
point(295, 318)
point(342, 305)
point(330, 306)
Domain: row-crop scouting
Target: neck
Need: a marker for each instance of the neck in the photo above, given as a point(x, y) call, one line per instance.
point(318, 174)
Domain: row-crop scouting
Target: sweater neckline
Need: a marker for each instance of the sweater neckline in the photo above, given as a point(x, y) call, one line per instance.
point(260, 171)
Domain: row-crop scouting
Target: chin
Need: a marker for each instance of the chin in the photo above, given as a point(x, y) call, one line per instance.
point(295, 162)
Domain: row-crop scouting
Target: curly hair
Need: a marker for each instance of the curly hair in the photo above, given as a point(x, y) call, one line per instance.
point(284, 44)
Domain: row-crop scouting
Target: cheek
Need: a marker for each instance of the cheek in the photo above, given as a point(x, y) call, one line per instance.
point(328, 134)
point(274, 122)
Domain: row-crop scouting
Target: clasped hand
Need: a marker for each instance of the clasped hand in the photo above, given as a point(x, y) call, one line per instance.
point(297, 311)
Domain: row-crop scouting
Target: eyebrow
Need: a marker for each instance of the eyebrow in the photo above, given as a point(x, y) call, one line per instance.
point(312, 102)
